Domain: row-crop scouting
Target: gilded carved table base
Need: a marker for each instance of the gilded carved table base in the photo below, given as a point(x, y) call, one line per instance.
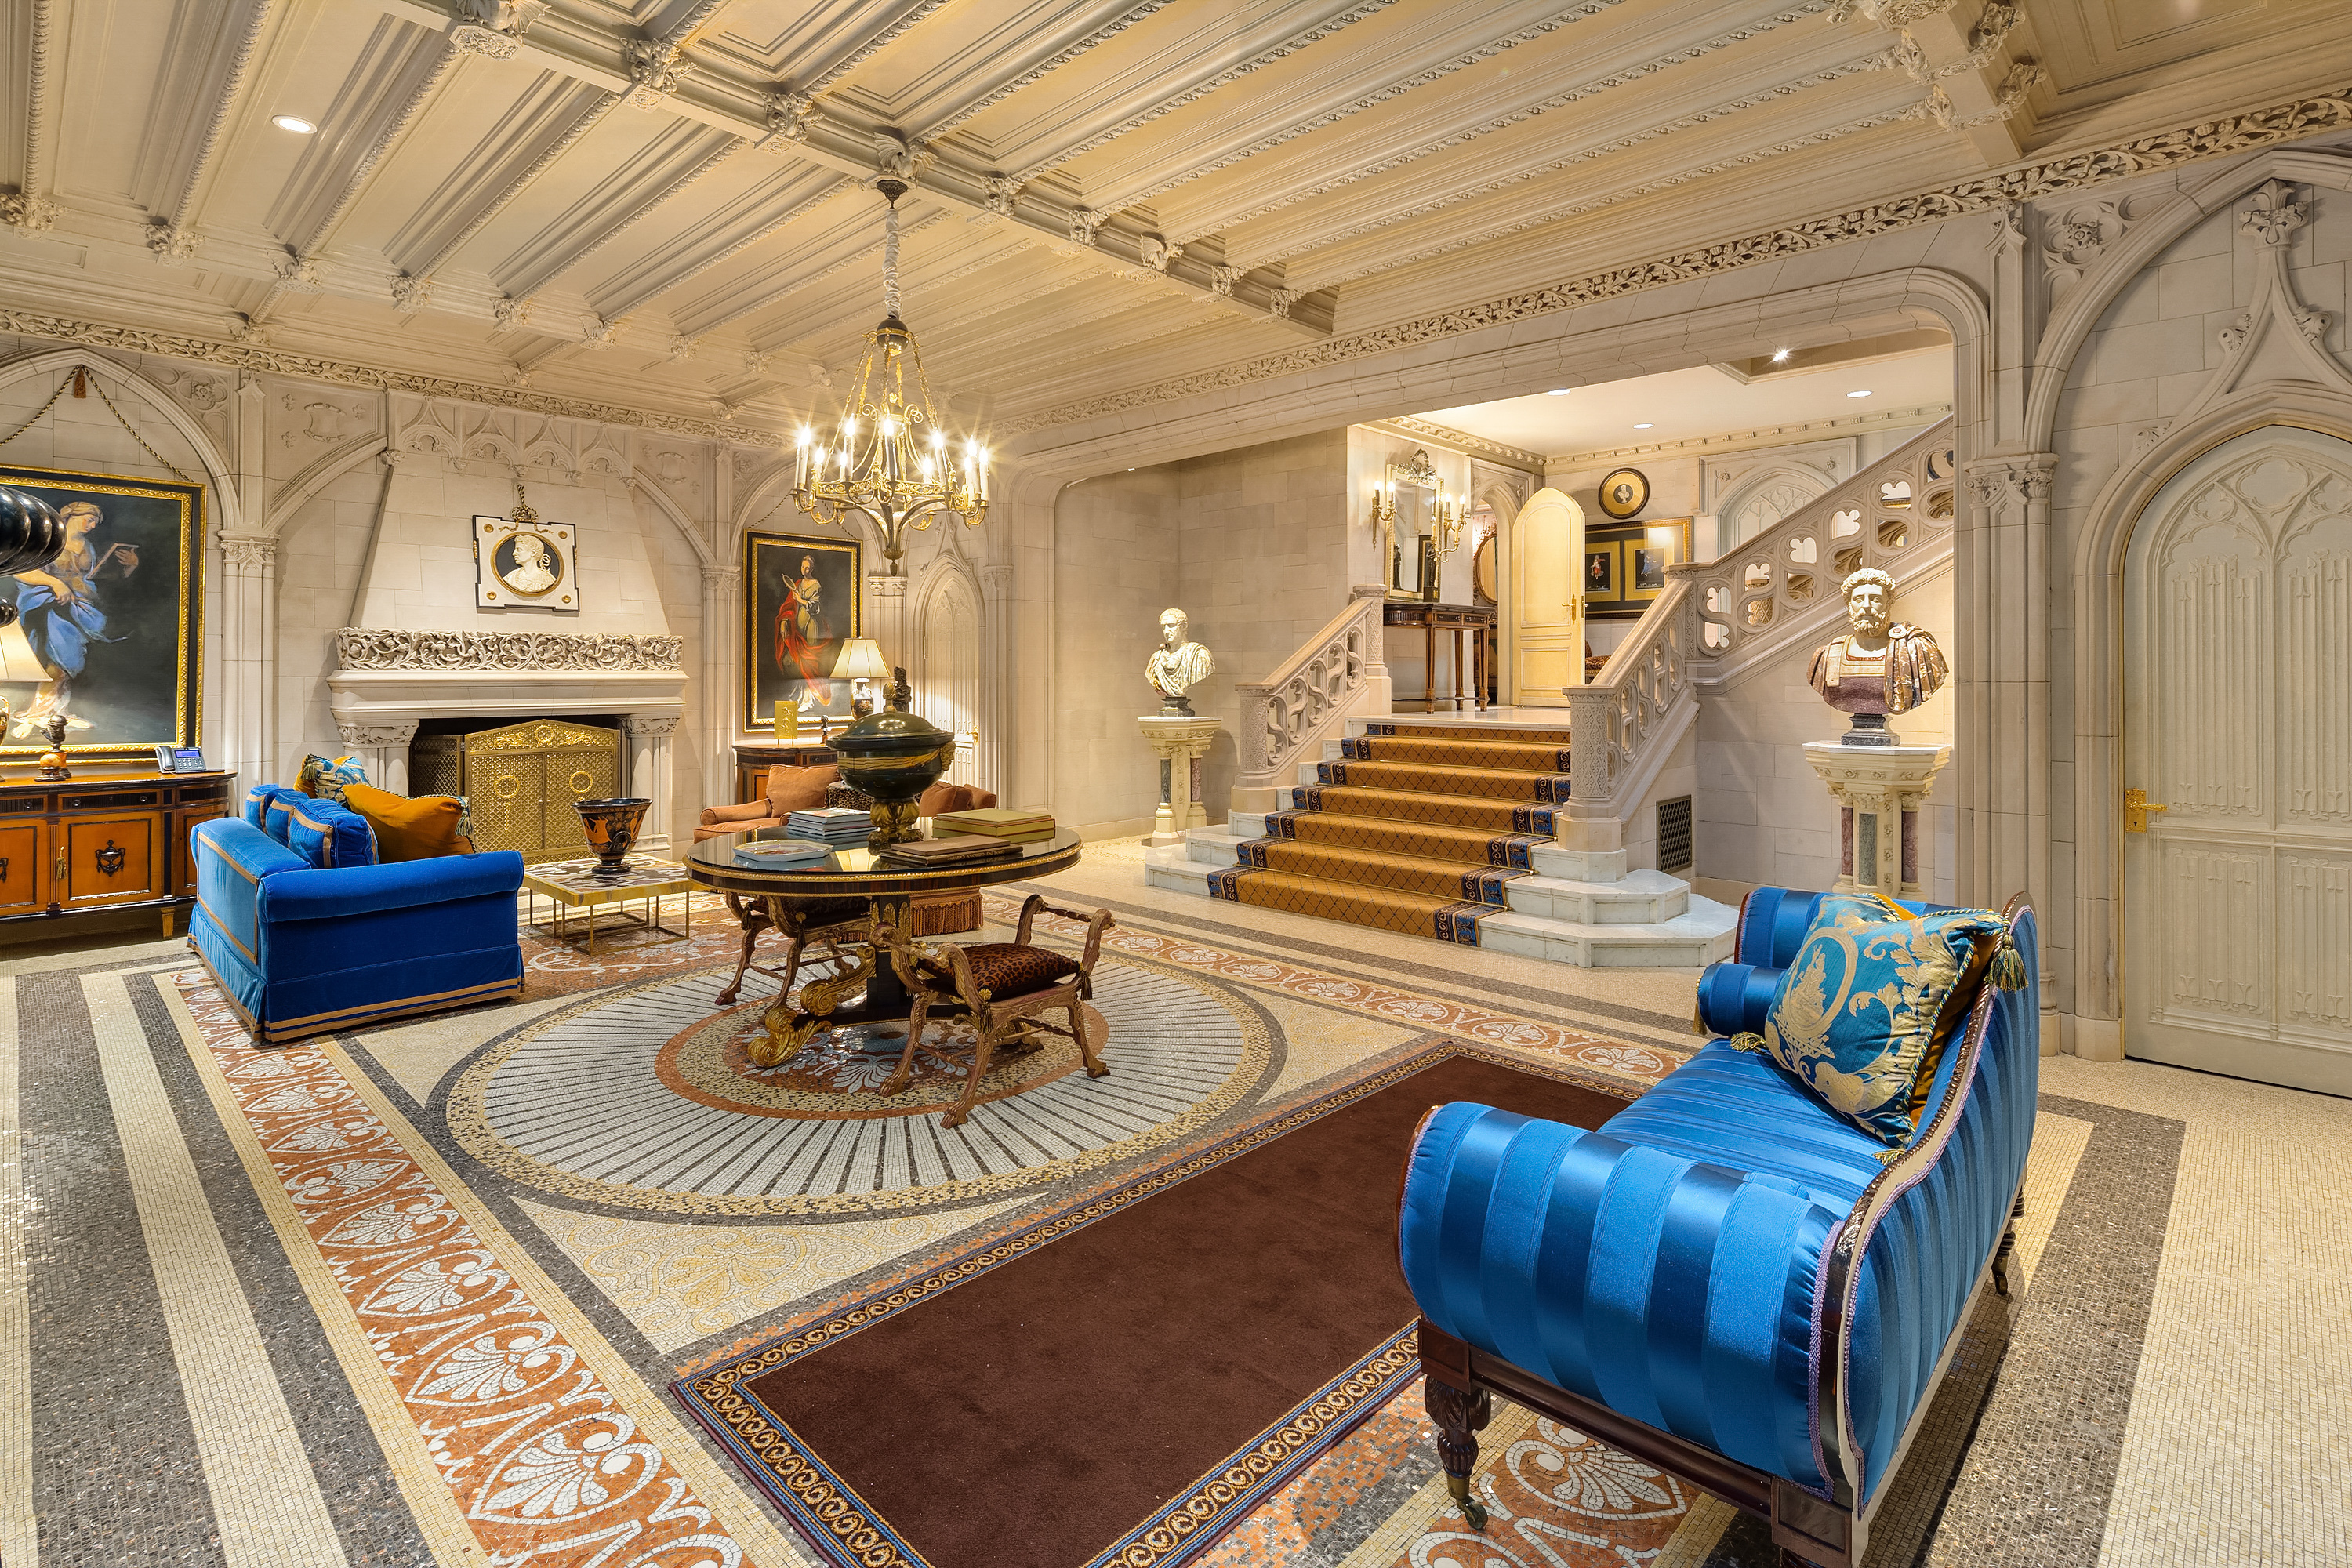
point(848, 945)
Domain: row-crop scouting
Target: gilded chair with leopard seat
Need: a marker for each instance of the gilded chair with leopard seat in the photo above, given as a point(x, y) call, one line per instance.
point(1004, 987)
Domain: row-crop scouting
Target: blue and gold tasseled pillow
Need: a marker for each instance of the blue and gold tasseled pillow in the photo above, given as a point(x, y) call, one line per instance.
point(323, 778)
point(1863, 1011)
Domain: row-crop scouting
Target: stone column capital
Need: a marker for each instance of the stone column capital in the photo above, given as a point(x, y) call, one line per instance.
point(248, 554)
point(368, 733)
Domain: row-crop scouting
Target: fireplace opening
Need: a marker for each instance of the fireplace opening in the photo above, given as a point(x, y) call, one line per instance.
point(521, 781)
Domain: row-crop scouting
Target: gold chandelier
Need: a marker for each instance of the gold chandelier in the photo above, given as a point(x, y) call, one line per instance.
point(888, 456)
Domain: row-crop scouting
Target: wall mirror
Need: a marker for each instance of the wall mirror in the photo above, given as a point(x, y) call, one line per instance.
point(1410, 516)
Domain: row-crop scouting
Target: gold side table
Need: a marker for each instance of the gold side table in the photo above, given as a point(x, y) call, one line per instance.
point(572, 885)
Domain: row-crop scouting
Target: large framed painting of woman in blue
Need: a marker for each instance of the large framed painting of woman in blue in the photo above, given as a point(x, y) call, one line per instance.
point(110, 634)
point(799, 606)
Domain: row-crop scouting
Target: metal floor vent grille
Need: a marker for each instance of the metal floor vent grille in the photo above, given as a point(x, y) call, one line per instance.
point(1675, 834)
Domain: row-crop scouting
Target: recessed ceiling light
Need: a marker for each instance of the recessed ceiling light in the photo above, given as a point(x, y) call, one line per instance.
point(1560, 392)
point(1865, 392)
point(290, 123)
point(1642, 426)
point(1779, 356)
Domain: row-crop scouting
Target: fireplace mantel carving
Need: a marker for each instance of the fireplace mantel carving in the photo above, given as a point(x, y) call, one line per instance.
point(369, 648)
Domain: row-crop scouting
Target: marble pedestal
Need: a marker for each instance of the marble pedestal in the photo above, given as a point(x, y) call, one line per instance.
point(1182, 743)
point(1879, 791)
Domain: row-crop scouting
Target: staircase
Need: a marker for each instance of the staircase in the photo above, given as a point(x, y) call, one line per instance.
point(1458, 829)
point(1444, 829)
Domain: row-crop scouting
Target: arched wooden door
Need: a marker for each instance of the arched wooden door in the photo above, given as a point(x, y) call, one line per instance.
point(1546, 552)
point(2237, 725)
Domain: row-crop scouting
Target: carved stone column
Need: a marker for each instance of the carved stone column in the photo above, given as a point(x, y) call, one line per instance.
point(245, 737)
point(2004, 612)
point(649, 774)
point(1182, 743)
point(885, 616)
point(1879, 791)
point(995, 675)
point(382, 749)
point(722, 620)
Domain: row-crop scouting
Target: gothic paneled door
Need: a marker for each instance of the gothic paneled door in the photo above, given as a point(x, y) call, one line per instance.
point(2238, 726)
point(947, 678)
point(1546, 560)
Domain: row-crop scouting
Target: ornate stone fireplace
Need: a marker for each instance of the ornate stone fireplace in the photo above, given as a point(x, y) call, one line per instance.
point(387, 682)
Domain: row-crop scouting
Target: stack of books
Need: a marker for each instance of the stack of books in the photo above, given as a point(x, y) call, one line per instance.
point(995, 822)
point(960, 851)
point(839, 825)
point(781, 854)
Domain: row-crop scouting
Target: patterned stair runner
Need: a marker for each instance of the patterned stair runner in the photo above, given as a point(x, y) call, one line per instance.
point(1416, 828)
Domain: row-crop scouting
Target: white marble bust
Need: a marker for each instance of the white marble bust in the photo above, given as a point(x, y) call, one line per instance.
point(1178, 664)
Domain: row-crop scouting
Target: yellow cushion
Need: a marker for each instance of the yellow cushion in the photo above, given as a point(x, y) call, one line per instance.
point(424, 828)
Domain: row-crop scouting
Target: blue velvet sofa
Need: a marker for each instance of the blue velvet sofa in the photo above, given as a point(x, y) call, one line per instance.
point(1725, 1279)
point(301, 952)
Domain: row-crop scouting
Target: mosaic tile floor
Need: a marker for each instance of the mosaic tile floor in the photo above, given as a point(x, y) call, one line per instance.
point(267, 1309)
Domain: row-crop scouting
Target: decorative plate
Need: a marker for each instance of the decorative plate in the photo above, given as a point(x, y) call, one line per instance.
point(1624, 492)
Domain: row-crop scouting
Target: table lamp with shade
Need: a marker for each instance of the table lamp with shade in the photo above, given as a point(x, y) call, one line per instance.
point(861, 662)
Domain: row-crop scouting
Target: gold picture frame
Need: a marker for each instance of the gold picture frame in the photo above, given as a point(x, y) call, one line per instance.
point(1624, 492)
point(1643, 553)
point(800, 604)
point(140, 683)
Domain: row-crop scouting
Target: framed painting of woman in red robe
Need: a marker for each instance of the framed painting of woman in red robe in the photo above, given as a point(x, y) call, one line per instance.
point(799, 606)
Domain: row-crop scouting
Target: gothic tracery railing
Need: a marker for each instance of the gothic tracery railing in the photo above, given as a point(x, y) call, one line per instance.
point(1897, 514)
point(1286, 716)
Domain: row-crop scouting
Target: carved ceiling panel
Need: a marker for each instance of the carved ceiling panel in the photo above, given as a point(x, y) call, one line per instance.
point(667, 203)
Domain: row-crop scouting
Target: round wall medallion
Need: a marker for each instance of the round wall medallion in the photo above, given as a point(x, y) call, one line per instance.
point(1624, 492)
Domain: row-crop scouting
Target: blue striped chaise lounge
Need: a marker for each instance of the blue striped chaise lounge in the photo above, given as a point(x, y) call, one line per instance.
point(1724, 1279)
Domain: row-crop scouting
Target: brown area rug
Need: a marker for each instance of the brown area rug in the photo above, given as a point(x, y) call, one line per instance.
point(1185, 1344)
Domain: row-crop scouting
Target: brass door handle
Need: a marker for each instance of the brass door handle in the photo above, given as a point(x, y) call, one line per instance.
point(2137, 807)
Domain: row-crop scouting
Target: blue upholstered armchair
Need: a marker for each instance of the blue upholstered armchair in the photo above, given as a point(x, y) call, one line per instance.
point(302, 951)
point(1727, 1280)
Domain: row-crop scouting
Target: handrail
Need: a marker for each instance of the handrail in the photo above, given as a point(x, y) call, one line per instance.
point(1895, 514)
point(1309, 697)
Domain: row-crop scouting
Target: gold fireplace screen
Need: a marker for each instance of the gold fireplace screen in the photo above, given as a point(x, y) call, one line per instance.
point(521, 783)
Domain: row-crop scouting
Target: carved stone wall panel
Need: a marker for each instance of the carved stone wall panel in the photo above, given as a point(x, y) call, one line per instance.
point(362, 648)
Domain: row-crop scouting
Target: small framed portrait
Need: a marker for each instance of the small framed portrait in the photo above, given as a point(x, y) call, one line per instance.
point(524, 566)
point(1624, 492)
point(1600, 583)
point(1644, 551)
point(1649, 574)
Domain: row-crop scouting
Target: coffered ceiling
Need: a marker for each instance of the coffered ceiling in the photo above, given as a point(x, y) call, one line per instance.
point(668, 203)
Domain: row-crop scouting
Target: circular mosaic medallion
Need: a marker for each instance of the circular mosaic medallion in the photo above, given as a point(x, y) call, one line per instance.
point(645, 1100)
point(840, 1073)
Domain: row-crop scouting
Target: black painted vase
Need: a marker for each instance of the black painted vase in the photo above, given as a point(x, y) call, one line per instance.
point(610, 826)
point(893, 756)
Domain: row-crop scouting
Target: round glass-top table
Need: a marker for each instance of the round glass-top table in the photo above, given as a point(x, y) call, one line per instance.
point(855, 902)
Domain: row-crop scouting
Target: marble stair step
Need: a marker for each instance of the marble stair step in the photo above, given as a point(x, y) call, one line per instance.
point(1702, 934)
point(1640, 898)
point(1415, 778)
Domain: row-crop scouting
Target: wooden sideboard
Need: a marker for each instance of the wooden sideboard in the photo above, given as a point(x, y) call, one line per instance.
point(105, 839)
point(754, 758)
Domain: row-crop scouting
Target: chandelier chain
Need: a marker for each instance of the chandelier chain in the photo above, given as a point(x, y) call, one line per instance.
point(890, 260)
